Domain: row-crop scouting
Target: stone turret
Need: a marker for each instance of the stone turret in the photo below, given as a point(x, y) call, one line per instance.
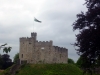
point(34, 35)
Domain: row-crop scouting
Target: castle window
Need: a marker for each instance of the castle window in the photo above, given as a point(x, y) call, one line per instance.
point(22, 55)
point(29, 43)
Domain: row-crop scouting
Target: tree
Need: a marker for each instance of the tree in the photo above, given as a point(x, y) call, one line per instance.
point(80, 62)
point(5, 61)
point(1, 61)
point(70, 61)
point(16, 58)
point(5, 49)
point(88, 39)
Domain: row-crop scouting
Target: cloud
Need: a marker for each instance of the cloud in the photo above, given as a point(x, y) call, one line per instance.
point(57, 16)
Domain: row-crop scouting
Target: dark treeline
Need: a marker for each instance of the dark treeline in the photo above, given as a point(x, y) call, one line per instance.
point(5, 61)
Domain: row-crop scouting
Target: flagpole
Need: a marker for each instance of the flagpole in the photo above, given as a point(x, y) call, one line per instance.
point(35, 20)
point(33, 25)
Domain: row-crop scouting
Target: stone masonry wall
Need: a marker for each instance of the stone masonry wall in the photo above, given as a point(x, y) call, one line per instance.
point(33, 51)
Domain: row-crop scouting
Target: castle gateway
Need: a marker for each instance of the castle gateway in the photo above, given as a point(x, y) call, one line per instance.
point(32, 51)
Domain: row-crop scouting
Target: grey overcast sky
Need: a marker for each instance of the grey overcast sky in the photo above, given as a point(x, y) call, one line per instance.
point(57, 16)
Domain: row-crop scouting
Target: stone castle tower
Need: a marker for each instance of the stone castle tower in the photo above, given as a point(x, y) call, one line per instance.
point(32, 51)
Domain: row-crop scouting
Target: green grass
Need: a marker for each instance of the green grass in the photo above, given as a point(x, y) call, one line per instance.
point(5, 71)
point(48, 69)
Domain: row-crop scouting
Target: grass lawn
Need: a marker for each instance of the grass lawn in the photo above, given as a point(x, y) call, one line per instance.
point(48, 69)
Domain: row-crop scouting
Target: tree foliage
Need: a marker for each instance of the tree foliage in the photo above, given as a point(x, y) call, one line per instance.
point(5, 49)
point(1, 61)
point(79, 62)
point(88, 39)
point(5, 61)
point(82, 63)
point(16, 58)
point(71, 61)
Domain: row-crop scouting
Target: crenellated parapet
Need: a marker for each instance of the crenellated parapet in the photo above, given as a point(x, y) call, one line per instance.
point(34, 34)
point(44, 43)
point(60, 49)
point(23, 39)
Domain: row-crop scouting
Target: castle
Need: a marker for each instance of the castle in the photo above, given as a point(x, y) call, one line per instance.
point(33, 51)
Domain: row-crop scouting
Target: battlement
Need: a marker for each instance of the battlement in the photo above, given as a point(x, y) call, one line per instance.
point(60, 49)
point(34, 34)
point(25, 37)
point(44, 43)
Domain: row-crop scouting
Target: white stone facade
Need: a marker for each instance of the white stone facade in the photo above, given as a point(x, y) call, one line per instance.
point(32, 51)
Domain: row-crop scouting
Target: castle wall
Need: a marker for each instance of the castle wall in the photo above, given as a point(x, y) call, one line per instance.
point(34, 51)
